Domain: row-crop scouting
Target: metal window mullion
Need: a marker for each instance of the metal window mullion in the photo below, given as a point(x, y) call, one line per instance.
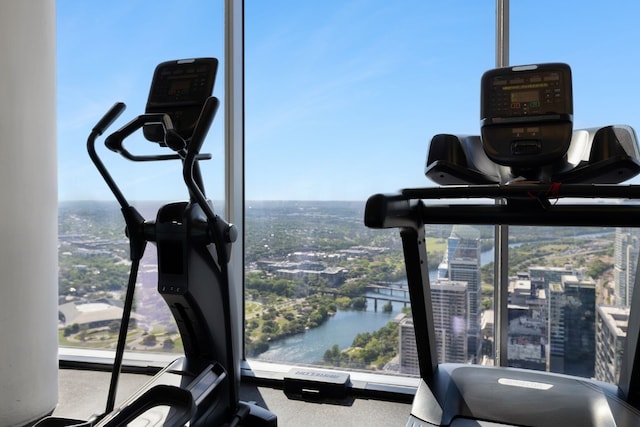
point(501, 234)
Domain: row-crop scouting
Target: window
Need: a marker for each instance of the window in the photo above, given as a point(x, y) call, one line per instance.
point(561, 291)
point(585, 272)
point(107, 52)
point(342, 99)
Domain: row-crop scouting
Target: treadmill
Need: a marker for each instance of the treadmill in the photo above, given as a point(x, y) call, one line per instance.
point(527, 158)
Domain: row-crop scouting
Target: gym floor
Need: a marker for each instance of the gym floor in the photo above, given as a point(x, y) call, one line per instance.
point(83, 393)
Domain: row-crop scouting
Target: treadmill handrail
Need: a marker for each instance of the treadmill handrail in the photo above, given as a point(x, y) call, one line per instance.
point(525, 190)
point(526, 204)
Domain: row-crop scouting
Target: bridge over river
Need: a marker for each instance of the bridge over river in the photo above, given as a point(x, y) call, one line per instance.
point(380, 291)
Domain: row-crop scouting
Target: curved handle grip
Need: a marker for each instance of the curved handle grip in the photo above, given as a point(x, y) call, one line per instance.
point(109, 118)
point(114, 141)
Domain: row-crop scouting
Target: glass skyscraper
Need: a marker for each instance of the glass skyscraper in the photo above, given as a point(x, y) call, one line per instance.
point(461, 263)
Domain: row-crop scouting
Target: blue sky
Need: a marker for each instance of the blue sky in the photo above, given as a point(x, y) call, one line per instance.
point(342, 96)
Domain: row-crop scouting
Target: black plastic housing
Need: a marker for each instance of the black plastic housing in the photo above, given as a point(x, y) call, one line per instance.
point(180, 89)
point(600, 155)
point(526, 114)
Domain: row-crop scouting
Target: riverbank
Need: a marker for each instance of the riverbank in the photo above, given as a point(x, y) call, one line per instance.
point(340, 329)
point(267, 323)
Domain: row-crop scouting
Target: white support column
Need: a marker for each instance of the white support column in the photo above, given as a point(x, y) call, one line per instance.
point(234, 154)
point(28, 211)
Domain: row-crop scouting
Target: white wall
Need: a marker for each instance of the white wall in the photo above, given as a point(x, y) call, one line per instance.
point(28, 211)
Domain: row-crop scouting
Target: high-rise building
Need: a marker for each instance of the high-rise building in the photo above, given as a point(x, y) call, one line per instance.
point(542, 276)
point(626, 249)
point(449, 300)
point(611, 334)
point(407, 350)
point(527, 337)
point(449, 309)
point(572, 306)
point(556, 323)
point(461, 263)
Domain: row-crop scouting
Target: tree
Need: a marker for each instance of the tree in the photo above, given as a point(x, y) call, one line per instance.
point(149, 340)
point(359, 303)
point(375, 348)
point(388, 307)
point(71, 329)
point(361, 339)
point(270, 327)
point(332, 355)
point(168, 344)
point(596, 268)
point(114, 326)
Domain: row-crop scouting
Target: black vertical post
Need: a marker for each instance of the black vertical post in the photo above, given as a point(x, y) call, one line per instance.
point(415, 255)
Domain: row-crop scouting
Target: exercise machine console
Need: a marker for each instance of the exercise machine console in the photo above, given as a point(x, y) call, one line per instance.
point(526, 133)
point(194, 245)
point(526, 114)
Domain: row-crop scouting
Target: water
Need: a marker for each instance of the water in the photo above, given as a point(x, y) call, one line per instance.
point(341, 329)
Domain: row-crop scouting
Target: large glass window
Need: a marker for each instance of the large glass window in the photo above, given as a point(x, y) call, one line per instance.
point(342, 99)
point(561, 285)
point(107, 52)
point(570, 289)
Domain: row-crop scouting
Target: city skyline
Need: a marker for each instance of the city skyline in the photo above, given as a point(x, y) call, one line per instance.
point(538, 297)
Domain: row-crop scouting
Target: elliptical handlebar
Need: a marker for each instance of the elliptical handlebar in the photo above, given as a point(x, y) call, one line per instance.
point(106, 121)
point(223, 233)
point(111, 116)
point(171, 138)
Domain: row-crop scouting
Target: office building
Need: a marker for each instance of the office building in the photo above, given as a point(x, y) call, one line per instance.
point(450, 304)
point(526, 346)
point(461, 263)
point(611, 334)
point(572, 305)
point(407, 350)
point(626, 248)
point(542, 276)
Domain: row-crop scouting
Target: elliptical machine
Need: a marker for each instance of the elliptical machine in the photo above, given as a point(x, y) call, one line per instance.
point(194, 245)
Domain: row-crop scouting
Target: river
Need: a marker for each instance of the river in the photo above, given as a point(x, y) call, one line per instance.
point(342, 328)
point(339, 329)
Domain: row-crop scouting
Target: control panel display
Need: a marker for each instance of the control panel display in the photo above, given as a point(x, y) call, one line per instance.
point(180, 89)
point(527, 113)
point(527, 95)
